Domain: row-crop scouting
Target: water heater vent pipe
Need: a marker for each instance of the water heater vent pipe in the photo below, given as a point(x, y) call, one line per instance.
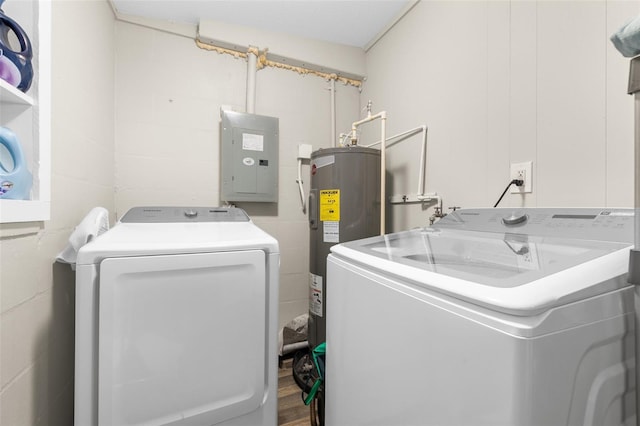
point(383, 136)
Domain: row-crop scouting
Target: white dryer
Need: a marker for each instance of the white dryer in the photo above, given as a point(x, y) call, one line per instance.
point(489, 317)
point(176, 321)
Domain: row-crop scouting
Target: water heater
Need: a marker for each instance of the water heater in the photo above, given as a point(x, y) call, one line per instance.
point(344, 205)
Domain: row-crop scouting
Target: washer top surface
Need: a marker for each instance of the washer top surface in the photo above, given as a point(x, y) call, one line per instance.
point(148, 231)
point(515, 261)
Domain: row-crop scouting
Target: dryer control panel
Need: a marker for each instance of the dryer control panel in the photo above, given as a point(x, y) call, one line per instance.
point(184, 214)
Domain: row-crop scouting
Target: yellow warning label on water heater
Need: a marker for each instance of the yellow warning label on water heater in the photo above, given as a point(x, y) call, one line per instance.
point(330, 205)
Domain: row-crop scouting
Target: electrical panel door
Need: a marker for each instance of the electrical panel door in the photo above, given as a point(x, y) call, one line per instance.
point(249, 160)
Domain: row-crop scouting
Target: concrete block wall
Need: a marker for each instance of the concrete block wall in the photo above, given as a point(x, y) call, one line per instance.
point(37, 294)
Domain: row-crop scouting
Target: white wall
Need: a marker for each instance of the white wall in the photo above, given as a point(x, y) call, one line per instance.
point(37, 295)
point(168, 98)
point(500, 82)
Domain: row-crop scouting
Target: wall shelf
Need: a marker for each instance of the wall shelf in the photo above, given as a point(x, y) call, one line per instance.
point(29, 115)
point(11, 95)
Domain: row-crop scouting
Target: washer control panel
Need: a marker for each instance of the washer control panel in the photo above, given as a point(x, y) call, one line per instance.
point(578, 223)
point(184, 215)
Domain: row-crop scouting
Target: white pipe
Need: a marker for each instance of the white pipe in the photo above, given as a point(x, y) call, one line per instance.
point(399, 135)
point(383, 169)
point(383, 158)
point(252, 69)
point(299, 181)
point(354, 134)
point(430, 197)
point(423, 154)
point(368, 119)
point(423, 159)
point(334, 140)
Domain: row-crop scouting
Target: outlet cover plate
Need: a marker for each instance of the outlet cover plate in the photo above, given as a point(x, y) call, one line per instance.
point(517, 169)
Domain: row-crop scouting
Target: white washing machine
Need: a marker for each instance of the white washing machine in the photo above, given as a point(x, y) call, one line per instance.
point(489, 317)
point(176, 321)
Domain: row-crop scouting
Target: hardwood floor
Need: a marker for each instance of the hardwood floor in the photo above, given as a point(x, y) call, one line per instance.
point(291, 408)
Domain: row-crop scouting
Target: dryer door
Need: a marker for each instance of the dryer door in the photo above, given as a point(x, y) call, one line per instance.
point(181, 338)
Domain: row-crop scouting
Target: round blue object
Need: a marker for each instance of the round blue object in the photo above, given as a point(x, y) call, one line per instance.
point(15, 178)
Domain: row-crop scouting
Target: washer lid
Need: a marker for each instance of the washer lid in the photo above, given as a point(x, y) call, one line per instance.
point(514, 273)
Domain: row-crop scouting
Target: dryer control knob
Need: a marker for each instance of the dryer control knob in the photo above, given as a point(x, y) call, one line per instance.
point(191, 213)
point(515, 218)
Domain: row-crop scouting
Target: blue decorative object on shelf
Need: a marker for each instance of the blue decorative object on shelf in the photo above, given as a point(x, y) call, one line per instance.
point(15, 178)
point(15, 67)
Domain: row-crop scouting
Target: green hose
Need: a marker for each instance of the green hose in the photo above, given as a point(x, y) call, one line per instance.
point(318, 351)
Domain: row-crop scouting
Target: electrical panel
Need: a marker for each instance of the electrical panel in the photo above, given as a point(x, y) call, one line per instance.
point(249, 157)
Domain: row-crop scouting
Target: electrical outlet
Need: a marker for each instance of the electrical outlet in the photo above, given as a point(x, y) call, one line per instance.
point(522, 171)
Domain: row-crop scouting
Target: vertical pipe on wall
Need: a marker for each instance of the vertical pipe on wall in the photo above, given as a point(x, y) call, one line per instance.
point(383, 168)
point(423, 160)
point(383, 152)
point(334, 140)
point(252, 69)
